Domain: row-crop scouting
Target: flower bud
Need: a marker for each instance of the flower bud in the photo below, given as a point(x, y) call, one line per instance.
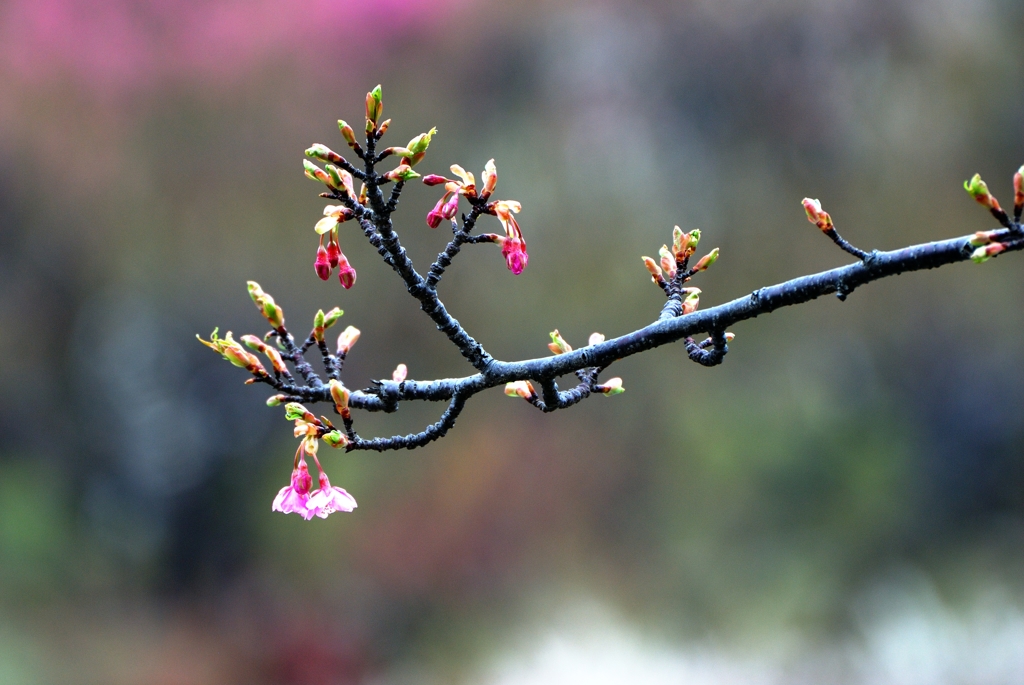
point(978, 189)
point(341, 180)
point(983, 254)
point(347, 339)
point(707, 260)
point(255, 291)
point(434, 180)
point(400, 373)
point(340, 395)
point(523, 389)
point(729, 337)
point(982, 238)
point(336, 439)
point(333, 252)
point(385, 125)
point(692, 239)
point(489, 178)
point(655, 270)
point(678, 241)
point(558, 344)
point(513, 249)
point(816, 215)
point(315, 173)
point(403, 172)
point(613, 386)
point(346, 274)
point(348, 134)
point(450, 208)
point(275, 400)
point(331, 317)
point(668, 262)
point(691, 300)
point(595, 339)
point(322, 263)
point(293, 411)
point(324, 153)
point(318, 325)
point(374, 104)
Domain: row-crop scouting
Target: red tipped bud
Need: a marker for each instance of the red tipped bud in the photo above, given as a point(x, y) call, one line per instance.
point(322, 264)
point(983, 254)
point(816, 215)
point(434, 180)
point(383, 128)
point(558, 345)
point(707, 260)
point(346, 274)
point(400, 373)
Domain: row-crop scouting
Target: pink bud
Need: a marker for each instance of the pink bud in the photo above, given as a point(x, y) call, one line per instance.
point(322, 264)
point(434, 216)
point(451, 208)
point(514, 252)
point(346, 274)
point(434, 180)
point(400, 373)
point(333, 253)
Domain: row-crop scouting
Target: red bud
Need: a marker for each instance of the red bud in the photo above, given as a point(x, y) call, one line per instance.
point(322, 265)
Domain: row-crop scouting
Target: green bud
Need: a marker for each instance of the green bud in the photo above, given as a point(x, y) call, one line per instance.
point(347, 133)
point(374, 104)
point(255, 291)
point(294, 410)
point(421, 142)
point(331, 317)
point(314, 172)
point(336, 439)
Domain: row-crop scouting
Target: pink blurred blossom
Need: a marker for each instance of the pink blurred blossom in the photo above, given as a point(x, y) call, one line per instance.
point(117, 43)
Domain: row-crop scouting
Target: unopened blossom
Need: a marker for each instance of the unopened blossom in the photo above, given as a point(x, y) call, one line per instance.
point(489, 178)
point(595, 339)
point(986, 252)
point(668, 262)
point(346, 339)
point(400, 373)
point(322, 263)
point(613, 386)
point(513, 246)
point(816, 215)
point(558, 345)
point(691, 300)
point(346, 274)
point(707, 260)
point(654, 269)
point(294, 498)
point(1018, 191)
point(978, 189)
point(522, 389)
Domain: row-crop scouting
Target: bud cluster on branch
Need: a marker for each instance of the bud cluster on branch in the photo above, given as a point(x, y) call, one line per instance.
point(534, 380)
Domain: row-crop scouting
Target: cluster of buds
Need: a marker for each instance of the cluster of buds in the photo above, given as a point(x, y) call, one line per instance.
point(414, 151)
point(231, 350)
point(330, 257)
point(321, 322)
point(298, 497)
point(513, 245)
point(672, 262)
point(985, 243)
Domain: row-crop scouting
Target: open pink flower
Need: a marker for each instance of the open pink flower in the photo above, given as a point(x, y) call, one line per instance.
point(294, 498)
point(327, 499)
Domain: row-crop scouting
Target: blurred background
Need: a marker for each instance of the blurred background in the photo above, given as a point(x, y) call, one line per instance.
point(842, 501)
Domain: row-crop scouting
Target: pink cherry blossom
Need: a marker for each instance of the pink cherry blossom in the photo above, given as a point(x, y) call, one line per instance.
point(295, 498)
point(327, 499)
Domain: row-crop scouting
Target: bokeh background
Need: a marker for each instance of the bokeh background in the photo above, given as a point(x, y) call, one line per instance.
point(842, 501)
